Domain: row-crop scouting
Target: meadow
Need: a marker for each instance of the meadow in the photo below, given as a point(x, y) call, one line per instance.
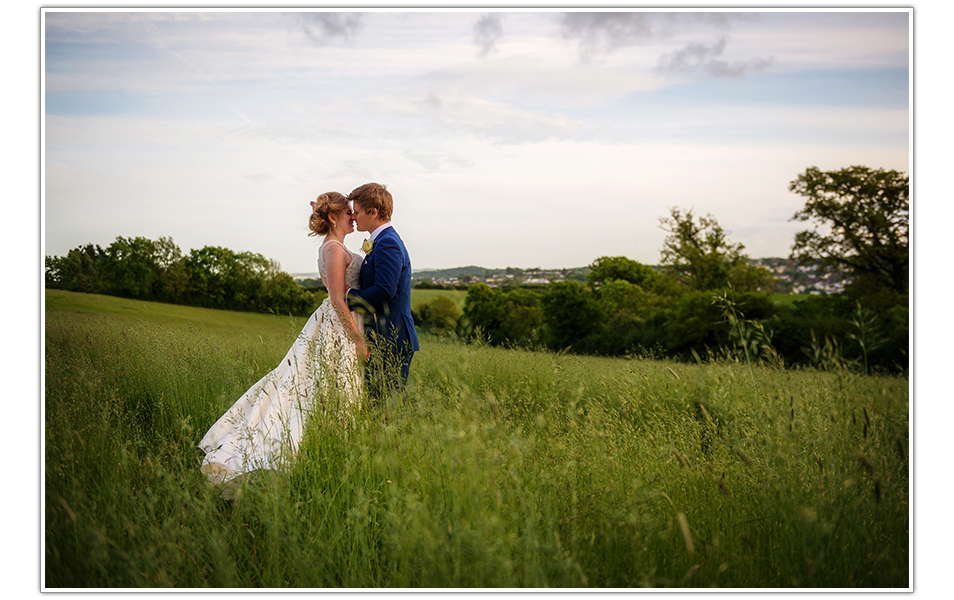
point(427, 296)
point(502, 468)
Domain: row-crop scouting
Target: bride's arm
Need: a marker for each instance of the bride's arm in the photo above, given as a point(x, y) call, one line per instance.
point(336, 263)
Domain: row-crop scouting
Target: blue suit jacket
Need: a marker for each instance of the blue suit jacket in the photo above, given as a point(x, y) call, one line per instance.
point(386, 289)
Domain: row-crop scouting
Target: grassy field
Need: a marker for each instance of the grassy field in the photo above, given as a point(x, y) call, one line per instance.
point(428, 296)
point(504, 468)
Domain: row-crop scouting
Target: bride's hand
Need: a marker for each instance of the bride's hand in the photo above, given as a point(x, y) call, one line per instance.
point(363, 350)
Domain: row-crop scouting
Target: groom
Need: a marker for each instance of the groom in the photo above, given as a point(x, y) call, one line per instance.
point(385, 294)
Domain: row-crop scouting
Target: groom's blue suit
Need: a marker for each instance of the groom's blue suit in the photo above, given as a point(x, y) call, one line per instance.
point(385, 292)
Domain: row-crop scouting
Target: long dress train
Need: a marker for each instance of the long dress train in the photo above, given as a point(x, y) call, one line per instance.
point(264, 427)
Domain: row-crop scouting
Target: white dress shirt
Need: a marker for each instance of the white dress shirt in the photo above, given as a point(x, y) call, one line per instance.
point(374, 236)
point(377, 232)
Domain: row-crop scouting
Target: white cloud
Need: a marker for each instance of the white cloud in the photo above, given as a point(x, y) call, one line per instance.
point(487, 30)
point(217, 129)
point(324, 28)
point(603, 32)
point(702, 57)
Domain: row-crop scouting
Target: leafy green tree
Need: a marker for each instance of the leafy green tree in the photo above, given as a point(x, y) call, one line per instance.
point(619, 268)
point(695, 322)
point(521, 315)
point(246, 277)
point(79, 271)
point(752, 278)
point(206, 271)
point(571, 314)
point(440, 314)
point(626, 308)
point(481, 312)
point(860, 219)
point(621, 296)
point(278, 293)
point(608, 268)
point(130, 268)
point(512, 315)
point(53, 268)
point(172, 273)
point(221, 278)
point(629, 294)
point(156, 270)
point(802, 328)
point(697, 251)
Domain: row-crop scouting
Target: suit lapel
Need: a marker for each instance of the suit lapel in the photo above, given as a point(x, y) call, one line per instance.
point(367, 265)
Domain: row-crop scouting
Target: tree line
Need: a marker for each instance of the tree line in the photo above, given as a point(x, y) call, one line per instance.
point(157, 270)
point(708, 300)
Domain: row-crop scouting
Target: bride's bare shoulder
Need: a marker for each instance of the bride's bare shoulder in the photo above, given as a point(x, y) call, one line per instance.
point(333, 250)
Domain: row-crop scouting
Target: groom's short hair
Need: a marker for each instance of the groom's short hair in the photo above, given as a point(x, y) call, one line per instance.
point(374, 195)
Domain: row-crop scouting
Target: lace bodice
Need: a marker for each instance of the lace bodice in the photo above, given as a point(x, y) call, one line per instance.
point(351, 274)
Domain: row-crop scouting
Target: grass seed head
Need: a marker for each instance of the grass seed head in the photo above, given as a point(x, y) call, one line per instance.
point(865, 462)
point(690, 573)
point(902, 452)
point(683, 461)
point(743, 456)
point(686, 535)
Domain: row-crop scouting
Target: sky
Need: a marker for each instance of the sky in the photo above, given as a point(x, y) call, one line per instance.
point(524, 138)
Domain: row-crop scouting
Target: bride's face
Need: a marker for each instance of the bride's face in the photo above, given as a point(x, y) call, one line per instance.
point(345, 221)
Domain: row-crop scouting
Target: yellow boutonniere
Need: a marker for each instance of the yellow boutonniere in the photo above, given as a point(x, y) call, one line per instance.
point(367, 246)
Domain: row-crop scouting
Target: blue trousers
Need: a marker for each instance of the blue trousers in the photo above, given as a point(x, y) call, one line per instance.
point(387, 371)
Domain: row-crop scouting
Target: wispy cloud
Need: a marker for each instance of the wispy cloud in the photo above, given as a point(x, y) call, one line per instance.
point(487, 30)
point(432, 101)
point(739, 68)
point(323, 28)
point(604, 32)
point(702, 58)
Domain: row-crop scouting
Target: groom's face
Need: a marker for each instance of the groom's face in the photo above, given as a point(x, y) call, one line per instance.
point(362, 220)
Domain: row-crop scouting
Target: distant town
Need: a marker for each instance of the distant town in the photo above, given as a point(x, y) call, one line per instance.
point(792, 278)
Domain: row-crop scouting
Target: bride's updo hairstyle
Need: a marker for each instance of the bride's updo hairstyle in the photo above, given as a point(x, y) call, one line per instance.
point(374, 195)
point(330, 203)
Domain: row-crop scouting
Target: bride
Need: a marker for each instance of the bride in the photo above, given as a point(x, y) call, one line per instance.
point(321, 371)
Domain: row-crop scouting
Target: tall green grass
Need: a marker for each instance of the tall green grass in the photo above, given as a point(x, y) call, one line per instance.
point(504, 468)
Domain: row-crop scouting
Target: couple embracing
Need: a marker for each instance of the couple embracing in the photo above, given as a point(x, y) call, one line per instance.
point(358, 343)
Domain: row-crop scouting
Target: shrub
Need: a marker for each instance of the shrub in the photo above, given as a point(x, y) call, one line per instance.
point(440, 314)
point(505, 316)
point(571, 314)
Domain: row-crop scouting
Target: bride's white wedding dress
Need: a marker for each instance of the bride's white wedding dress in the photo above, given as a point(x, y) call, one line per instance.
point(320, 372)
